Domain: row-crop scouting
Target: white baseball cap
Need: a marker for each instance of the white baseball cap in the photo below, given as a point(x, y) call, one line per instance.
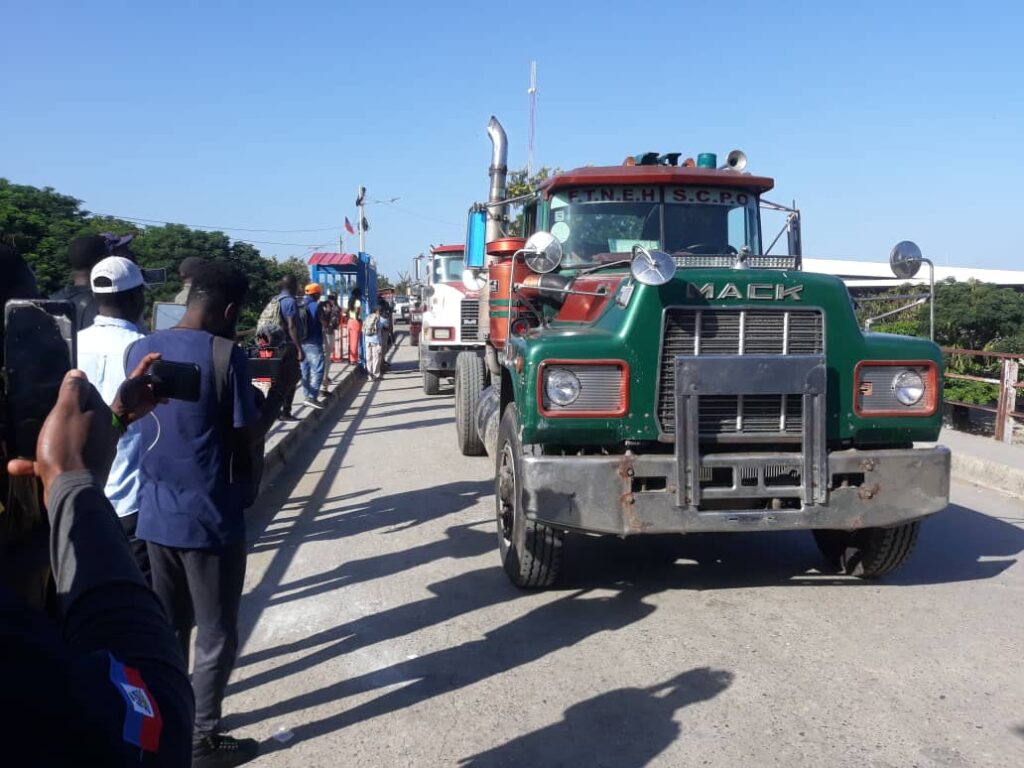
point(115, 274)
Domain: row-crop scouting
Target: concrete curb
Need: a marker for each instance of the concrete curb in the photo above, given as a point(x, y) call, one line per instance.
point(277, 457)
point(988, 474)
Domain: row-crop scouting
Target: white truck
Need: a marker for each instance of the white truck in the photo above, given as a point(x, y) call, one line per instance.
point(451, 317)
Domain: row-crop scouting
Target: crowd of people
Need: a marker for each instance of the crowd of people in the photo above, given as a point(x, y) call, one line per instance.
point(164, 482)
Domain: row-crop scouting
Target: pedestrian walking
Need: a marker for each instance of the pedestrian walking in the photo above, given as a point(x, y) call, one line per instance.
point(372, 338)
point(84, 253)
point(197, 477)
point(330, 320)
point(355, 325)
point(313, 348)
point(282, 326)
point(119, 289)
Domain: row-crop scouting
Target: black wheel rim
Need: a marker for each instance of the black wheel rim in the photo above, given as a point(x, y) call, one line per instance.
point(506, 496)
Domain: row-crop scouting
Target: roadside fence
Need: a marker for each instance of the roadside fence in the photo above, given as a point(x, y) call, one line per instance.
point(1000, 373)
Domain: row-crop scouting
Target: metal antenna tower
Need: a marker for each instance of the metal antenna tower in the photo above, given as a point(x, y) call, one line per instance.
point(533, 111)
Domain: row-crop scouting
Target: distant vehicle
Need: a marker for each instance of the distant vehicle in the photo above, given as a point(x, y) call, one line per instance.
point(403, 309)
point(450, 318)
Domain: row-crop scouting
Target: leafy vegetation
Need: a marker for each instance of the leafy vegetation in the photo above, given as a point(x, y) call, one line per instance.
point(39, 224)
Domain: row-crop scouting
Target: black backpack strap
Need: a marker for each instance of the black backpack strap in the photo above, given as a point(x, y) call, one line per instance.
point(222, 349)
point(127, 354)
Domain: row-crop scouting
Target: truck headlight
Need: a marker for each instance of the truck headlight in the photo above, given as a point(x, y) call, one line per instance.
point(897, 388)
point(908, 387)
point(594, 389)
point(562, 387)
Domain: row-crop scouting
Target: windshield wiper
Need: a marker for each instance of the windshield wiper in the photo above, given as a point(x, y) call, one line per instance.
point(599, 267)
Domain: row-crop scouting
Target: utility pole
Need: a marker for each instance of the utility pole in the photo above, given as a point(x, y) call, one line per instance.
point(533, 110)
point(361, 205)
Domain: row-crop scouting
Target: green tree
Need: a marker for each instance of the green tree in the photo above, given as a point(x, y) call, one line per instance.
point(384, 283)
point(39, 224)
point(404, 282)
point(521, 183)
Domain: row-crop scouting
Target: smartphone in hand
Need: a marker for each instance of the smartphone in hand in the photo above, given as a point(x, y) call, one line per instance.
point(176, 381)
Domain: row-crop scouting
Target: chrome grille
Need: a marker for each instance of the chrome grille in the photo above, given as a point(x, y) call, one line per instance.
point(470, 320)
point(738, 332)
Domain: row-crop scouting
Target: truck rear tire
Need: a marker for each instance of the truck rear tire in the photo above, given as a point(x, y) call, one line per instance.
point(531, 553)
point(870, 552)
point(470, 380)
point(431, 383)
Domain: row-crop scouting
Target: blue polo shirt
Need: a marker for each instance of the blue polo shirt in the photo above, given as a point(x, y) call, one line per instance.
point(289, 308)
point(186, 498)
point(314, 331)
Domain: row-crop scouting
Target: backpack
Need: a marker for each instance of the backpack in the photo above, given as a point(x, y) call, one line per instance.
point(270, 324)
point(245, 460)
point(372, 324)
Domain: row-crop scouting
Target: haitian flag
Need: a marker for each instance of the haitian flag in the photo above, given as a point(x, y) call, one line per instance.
point(348, 227)
point(142, 721)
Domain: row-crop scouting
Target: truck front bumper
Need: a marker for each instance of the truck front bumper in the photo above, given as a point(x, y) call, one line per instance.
point(605, 494)
point(441, 360)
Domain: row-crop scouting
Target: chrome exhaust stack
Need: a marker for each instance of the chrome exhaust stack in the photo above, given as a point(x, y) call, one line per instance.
point(499, 173)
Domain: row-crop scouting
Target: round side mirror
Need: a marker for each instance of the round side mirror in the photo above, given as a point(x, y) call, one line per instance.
point(905, 259)
point(543, 252)
point(651, 267)
point(473, 280)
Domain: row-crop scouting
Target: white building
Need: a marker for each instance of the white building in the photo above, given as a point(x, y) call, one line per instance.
point(876, 274)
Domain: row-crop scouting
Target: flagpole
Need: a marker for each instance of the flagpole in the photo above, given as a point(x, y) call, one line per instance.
point(361, 199)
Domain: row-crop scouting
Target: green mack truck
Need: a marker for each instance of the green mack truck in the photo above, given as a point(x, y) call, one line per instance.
point(649, 370)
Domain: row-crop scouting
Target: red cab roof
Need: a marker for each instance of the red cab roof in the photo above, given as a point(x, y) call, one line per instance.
point(447, 249)
point(654, 174)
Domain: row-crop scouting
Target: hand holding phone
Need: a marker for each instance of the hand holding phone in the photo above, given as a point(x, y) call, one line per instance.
point(177, 381)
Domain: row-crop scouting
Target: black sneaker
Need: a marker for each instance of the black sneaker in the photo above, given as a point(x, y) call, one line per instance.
point(220, 751)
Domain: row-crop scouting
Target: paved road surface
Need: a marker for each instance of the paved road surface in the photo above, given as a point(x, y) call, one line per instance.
point(380, 630)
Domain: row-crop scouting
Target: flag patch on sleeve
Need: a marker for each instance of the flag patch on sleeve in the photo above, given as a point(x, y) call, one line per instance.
point(142, 721)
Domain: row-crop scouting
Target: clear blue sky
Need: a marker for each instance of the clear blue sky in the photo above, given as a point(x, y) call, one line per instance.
point(884, 120)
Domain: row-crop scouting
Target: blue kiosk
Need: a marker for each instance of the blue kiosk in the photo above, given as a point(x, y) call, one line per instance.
point(340, 273)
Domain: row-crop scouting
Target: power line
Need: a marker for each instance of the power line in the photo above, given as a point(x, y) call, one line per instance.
point(214, 227)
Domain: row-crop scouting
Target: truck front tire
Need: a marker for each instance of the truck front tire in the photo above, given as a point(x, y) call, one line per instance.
point(531, 552)
point(870, 552)
point(470, 379)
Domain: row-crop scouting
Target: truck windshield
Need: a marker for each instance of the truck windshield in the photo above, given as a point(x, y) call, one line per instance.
point(598, 225)
point(447, 269)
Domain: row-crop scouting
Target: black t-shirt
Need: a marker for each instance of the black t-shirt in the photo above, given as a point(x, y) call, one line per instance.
point(85, 303)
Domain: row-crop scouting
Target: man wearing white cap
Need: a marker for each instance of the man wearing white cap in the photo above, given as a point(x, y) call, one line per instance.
point(119, 291)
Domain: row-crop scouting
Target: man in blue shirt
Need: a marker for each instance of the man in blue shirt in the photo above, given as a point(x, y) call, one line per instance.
point(313, 347)
point(119, 292)
point(191, 507)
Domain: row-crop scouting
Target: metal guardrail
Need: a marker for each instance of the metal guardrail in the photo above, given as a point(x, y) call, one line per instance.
point(1005, 408)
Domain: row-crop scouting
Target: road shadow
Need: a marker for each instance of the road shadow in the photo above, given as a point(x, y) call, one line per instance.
point(957, 544)
point(405, 411)
point(397, 511)
point(624, 728)
point(953, 543)
point(559, 623)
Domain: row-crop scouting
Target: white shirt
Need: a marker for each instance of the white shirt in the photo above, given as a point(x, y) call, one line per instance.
point(101, 349)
